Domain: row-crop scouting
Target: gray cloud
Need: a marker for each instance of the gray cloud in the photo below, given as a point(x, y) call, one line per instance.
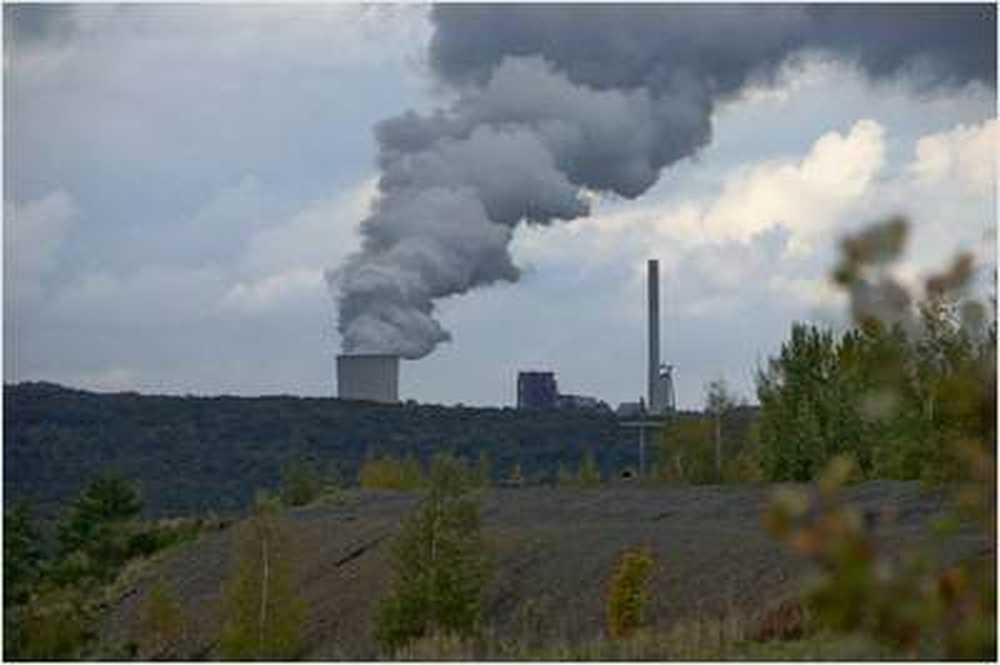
point(721, 46)
point(555, 99)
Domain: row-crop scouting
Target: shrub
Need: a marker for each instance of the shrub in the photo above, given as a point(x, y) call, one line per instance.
point(392, 473)
point(687, 452)
point(54, 625)
point(22, 554)
point(300, 483)
point(910, 604)
point(627, 593)
point(589, 474)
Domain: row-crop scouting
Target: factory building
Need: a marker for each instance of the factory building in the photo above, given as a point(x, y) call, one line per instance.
point(537, 390)
point(371, 377)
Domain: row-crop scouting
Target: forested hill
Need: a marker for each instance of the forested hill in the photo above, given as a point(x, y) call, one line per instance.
point(194, 454)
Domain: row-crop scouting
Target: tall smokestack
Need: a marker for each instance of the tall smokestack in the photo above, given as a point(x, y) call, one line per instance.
point(653, 290)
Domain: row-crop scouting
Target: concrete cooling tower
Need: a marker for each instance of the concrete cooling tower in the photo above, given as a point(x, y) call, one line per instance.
point(372, 377)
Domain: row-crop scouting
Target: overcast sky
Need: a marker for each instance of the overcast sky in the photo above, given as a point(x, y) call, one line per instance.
point(177, 180)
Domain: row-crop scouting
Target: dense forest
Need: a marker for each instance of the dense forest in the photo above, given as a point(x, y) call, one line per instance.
point(195, 454)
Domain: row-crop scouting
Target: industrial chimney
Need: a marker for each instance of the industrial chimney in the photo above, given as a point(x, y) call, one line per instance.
point(372, 377)
point(653, 290)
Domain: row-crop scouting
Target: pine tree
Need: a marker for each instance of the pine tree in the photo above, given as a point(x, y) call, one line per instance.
point(93, 536)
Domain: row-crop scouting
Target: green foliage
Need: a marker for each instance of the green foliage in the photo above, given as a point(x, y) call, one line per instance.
point(56, 625)
point(627, 592)
point(263, 616)
point(808, 403)
point(687, 453)
point(95, 534)
point(440, 564)
point(484, 470)
point(300, 483)
point(894, 392)
point(588, 474)
point(161, 623)
point(196, 454)
point(392, 474)
point(22, 555)
point(718, 402)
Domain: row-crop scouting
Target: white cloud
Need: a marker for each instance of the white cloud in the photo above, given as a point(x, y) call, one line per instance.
point(966, 154)
point(274, 290)
point(807, 196)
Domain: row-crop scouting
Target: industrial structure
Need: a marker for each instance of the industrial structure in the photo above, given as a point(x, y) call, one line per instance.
point(537, 390)
point(660, 399)
point(370, 376)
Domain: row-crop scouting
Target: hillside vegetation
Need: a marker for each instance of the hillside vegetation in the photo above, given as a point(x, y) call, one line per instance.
point(195, 454)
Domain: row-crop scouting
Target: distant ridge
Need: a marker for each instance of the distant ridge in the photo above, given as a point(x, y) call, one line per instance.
point(195, 454)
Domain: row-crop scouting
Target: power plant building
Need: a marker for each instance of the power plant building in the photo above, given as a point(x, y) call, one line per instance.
point(537, 390)
point(370, 377)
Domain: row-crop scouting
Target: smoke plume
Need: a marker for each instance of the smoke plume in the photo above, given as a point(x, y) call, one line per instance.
point(556, 100)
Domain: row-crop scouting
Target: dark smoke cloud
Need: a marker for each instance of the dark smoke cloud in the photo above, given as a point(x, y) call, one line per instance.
point(555, 100)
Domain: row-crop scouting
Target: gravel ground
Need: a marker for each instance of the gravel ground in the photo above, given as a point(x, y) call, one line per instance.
point(554, 550)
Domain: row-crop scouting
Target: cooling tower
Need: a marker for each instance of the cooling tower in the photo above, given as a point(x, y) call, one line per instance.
point(372, 377)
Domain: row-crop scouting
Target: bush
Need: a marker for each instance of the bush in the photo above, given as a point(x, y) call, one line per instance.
point(588, 474)
point(300, 483)
point(22, 555)
point(391, 473)
point(687, 451)
point(627, 593)
point(912, 604)
point(55, 625)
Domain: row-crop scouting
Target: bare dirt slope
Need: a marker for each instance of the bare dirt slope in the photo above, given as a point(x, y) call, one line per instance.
point(554, 550)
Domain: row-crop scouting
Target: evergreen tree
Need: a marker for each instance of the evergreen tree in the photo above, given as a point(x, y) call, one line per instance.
point(93, 537)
